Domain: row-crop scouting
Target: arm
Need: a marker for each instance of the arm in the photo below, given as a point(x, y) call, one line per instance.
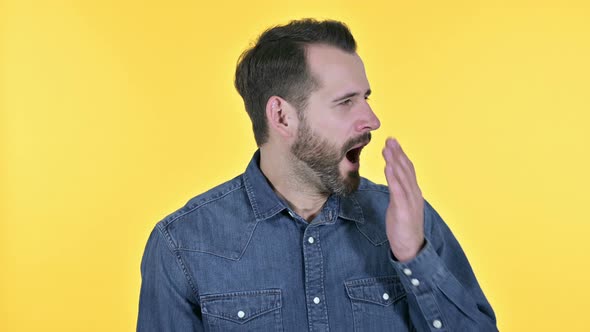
point(447, 290)
point(443, 292)
point(167, 299)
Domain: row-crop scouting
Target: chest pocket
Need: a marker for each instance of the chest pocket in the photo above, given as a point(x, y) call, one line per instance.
point(239, 311)
point(379, 304)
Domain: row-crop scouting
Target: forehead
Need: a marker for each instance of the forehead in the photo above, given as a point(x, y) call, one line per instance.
point(335, 70)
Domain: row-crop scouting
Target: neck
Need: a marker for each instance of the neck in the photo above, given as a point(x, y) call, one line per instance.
point(301, 196)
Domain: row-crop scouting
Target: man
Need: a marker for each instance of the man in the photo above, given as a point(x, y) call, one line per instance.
point(300, 241)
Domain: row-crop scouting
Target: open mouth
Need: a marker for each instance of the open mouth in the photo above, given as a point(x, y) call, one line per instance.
point(353, 155)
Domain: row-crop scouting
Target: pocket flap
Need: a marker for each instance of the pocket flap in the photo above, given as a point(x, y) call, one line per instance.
point(241, 307)
point(381, 290)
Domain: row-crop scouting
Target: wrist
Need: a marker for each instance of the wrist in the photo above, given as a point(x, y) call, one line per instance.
point(405, 254)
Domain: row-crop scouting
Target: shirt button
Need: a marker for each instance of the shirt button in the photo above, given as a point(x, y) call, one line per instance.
point(311, 240)
point(385, 296)
point(407, 272)
point(415, 282)
point(437, 324)
point(316, 300)
point(241, 314)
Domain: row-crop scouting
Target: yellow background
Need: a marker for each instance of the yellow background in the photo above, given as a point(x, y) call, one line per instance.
point(114, 113)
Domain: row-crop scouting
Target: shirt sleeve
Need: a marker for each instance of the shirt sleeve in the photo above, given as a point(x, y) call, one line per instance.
point(167, 301)
point(443, 292)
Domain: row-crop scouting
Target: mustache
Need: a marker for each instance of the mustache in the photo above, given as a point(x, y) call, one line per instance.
point(362, 139)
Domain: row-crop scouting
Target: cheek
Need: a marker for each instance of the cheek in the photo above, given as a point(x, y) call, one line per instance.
point(337, 131)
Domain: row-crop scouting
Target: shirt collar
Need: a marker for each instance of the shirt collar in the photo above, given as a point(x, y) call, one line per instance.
point(266, 203)
point(350, 209)
point(263, 199)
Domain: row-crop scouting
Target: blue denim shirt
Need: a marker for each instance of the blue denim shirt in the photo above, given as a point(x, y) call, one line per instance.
point(236, 258)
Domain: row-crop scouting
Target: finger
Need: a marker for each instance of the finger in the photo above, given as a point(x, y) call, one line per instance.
point(394, 174)
point(398, 195)
point(400, 171)
point(402, 178)
point(388, 166)
point(407, 166)
point(400, 156)
point(409, 176)
point(388, 155)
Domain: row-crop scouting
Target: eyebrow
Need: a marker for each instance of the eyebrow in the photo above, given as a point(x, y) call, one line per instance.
point(351, 94)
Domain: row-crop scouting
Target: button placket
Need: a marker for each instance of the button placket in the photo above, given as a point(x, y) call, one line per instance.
point(314, 278)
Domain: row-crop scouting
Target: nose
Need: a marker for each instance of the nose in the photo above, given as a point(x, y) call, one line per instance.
point(368, 120)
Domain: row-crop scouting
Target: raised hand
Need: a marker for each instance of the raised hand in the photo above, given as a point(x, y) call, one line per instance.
point(404, 218)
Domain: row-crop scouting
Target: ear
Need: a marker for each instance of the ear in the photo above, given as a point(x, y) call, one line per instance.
point(281, 117)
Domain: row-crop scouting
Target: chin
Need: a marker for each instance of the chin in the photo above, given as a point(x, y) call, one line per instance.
point(350, 184)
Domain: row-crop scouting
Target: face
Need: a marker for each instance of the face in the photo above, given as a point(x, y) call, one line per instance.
point(322, 161)
point(336, 124)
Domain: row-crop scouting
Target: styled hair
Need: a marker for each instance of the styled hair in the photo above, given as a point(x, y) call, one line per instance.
point(276, 66)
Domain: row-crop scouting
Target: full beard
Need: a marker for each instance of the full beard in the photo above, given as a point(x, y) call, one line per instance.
point(321, 162)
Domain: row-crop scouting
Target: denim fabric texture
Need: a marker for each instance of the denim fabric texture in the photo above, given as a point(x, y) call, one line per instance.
point(236, 258)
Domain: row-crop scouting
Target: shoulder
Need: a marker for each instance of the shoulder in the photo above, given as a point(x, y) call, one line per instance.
point(374, 197)
point(210, 221)
point(374, 192)
point(212, 197)
point(368, 185)
point(371, 194)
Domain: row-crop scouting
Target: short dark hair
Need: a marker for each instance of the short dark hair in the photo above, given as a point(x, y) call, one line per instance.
point(276, 66)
